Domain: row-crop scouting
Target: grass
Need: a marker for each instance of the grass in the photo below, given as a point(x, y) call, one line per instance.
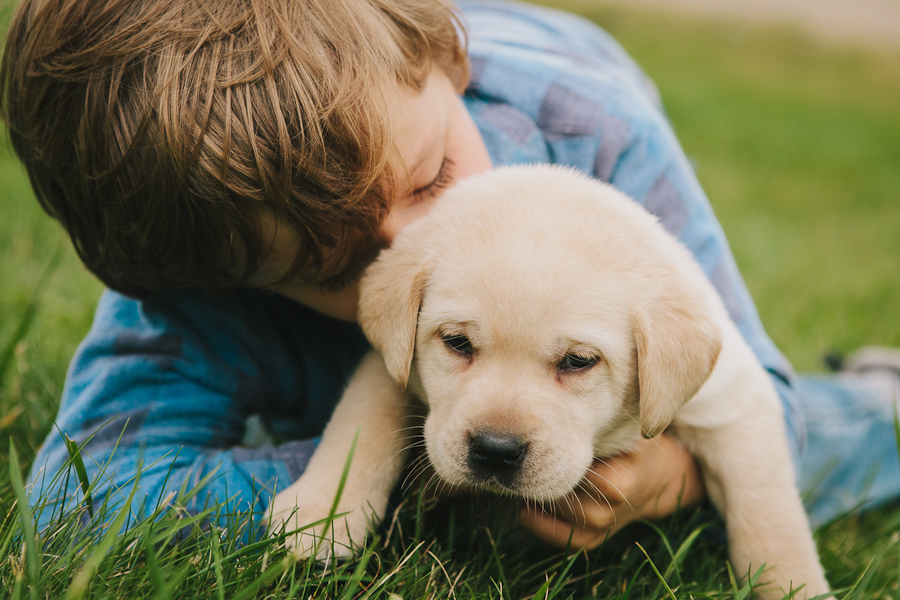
point(798, 146)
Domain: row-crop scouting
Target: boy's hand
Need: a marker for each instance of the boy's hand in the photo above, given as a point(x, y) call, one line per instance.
point(655, 479)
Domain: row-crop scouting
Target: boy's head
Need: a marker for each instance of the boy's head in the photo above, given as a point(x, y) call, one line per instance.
point(175, 140)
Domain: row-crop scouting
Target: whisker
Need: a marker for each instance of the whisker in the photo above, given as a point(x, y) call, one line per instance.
point(599, 476)
point(415, 470)
point(605, 499)
point(581, 507)
point(406, 448)
point(411, 427)
point(609, 464)
point(420, 441)
point(417, 467)
point(432, 485)
point(411, 445)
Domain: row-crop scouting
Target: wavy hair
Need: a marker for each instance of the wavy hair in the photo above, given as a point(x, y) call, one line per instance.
point(158, 132)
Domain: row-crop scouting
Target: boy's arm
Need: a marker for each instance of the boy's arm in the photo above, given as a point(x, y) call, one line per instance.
point(161, 390)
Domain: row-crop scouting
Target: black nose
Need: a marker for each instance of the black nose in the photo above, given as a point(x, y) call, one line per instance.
point(495, 453)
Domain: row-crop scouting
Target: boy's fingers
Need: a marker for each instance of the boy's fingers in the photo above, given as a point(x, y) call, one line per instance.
point(589, 512)
point(614, 478)
point(559, 532)
point(618, 490)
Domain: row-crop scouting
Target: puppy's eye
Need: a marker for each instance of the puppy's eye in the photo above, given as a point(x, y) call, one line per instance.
point(458, 344)
point(575, 362)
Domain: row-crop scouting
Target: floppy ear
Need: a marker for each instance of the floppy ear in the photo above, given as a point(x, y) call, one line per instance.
point(390, 295)
point(677, 346)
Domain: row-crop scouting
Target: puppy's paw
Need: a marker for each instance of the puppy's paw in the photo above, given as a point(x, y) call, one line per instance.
point(311, 531)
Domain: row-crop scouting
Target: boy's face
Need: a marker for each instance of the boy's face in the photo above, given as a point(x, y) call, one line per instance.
point(439, 144)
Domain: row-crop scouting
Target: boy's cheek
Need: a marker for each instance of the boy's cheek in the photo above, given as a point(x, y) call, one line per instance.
point(400, 217)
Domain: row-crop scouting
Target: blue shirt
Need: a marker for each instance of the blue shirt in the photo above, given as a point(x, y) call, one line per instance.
point(166, 385)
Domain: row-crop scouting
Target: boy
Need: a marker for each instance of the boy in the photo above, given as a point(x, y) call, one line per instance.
point(229, 168)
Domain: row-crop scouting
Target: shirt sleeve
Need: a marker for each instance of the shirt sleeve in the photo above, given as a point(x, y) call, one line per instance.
point(160, 391)
point(551, 87)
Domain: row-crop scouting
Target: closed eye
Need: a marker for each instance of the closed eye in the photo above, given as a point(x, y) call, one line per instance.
point(440, 181)
point(573, 363)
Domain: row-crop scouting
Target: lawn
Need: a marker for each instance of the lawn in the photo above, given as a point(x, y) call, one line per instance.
point(798, 147)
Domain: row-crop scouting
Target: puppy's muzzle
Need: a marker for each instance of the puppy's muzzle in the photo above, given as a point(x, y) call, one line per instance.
point(496, 456)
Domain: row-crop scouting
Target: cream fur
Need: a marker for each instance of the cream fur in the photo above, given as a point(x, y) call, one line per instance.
point(532, 264)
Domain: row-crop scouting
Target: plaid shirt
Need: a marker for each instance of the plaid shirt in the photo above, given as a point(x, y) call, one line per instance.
point(166, 385)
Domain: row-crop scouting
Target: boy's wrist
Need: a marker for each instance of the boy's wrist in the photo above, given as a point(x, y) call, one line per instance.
point(683, 482)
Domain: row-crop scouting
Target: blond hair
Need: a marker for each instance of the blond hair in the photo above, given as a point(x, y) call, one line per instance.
point(158, 131)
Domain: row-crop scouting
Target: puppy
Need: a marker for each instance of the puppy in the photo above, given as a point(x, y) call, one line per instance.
point(545, 319)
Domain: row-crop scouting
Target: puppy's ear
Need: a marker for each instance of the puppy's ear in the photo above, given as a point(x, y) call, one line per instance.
point(677, 346)
point(390, 295)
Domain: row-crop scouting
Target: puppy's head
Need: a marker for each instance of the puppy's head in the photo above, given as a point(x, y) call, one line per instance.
point(549, 320)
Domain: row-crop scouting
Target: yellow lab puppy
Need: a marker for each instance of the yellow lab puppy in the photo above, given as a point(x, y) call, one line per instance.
point(546, 319)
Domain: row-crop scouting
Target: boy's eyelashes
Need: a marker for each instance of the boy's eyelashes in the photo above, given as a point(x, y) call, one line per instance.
point(354, 270)
point(440, 181)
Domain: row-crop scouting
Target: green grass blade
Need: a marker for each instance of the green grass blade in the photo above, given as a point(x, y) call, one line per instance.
point(17, 589)
point(18, 333)
point(152, 562)
point(733, 581)
point(677, 556)
point(168, 591)
point(746, 589)
point(495, 554)
point(344, 474)
point(265, 577)
point(217, 561)
point(32, 564)
point(332, 513)
point(635, 577)
point(561, 580)
point(359, 571)
point(859, 589)
point(83, 579)
point(9, 525)
point(27, 318)
point(658, 574)
point(681, 553)
point(395, 573)
point(543, 591)
point(81, 472)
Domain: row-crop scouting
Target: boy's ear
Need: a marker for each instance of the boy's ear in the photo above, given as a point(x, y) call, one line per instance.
point(677, 345)
point(390, 295)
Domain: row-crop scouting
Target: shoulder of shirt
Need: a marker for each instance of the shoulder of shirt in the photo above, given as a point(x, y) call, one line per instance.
point(541, 47)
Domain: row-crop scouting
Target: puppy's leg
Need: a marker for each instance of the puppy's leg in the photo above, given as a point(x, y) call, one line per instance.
point(374, 407)
point(749, 478)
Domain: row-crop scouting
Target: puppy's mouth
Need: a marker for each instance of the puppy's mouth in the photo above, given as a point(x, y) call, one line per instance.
point(509, 463)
